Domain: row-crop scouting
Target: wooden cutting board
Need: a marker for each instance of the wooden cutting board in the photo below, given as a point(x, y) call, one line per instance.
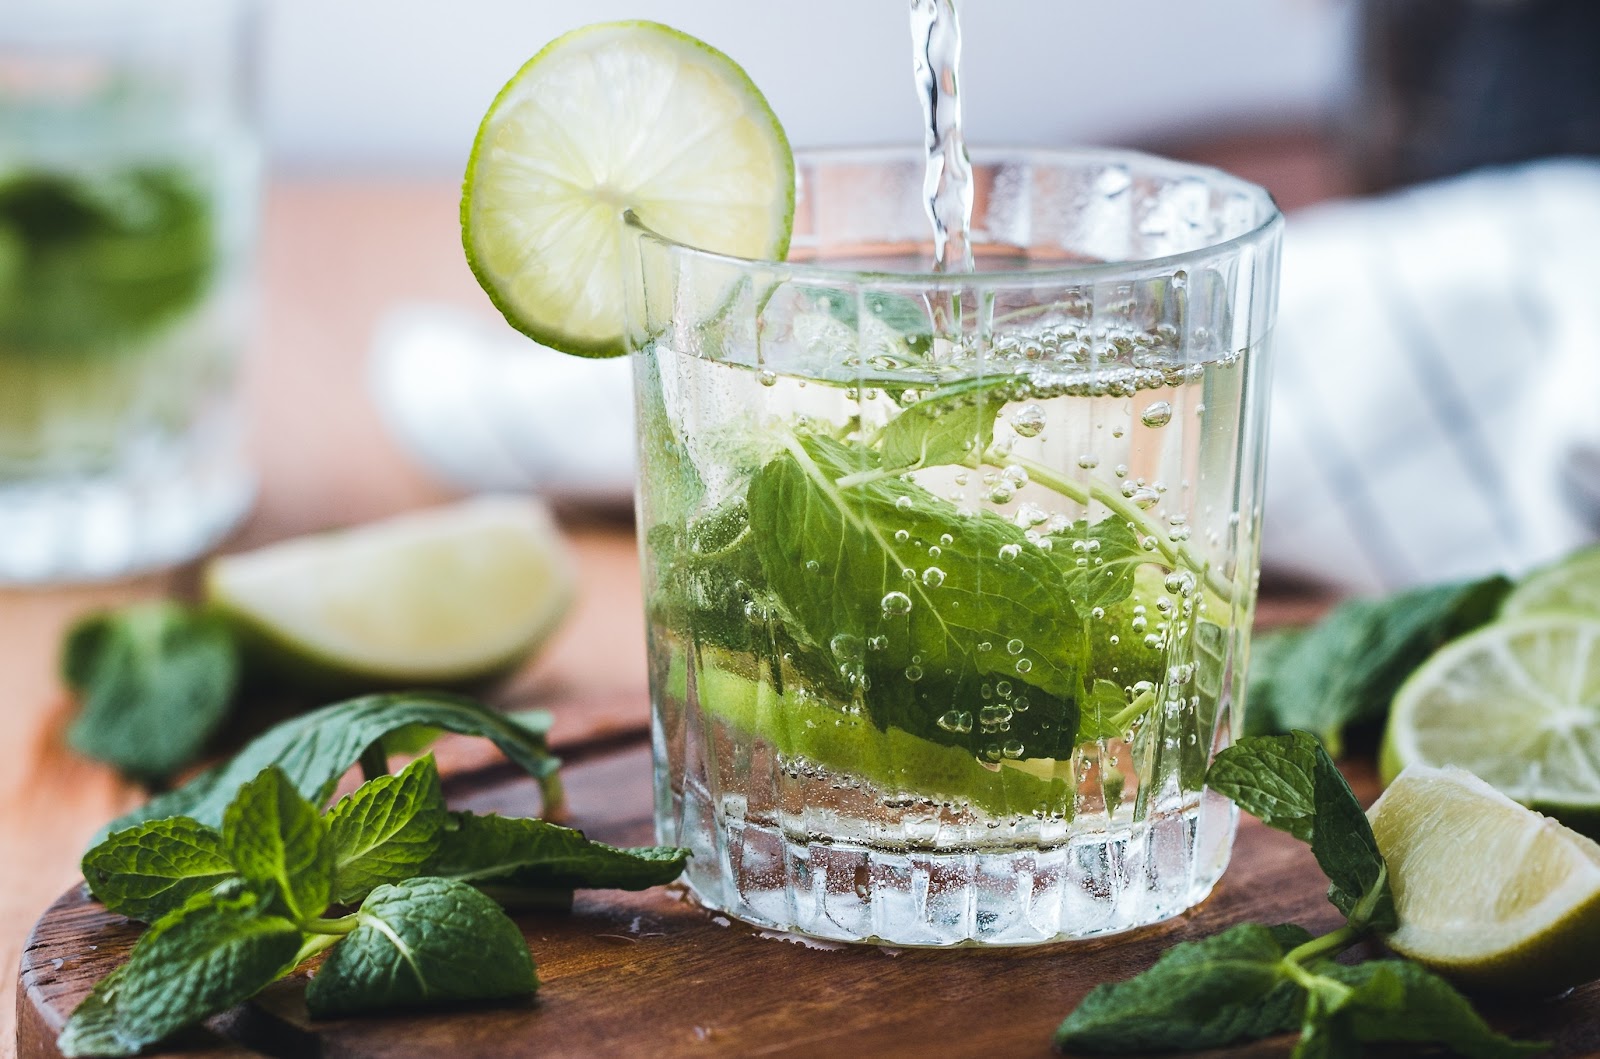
point(653, 974)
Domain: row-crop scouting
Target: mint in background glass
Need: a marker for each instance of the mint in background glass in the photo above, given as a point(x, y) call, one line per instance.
point(128, 183)
point(949, 576)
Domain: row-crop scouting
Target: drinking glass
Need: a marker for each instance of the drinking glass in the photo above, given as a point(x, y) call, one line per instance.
point(128, 189)
point(949, 576)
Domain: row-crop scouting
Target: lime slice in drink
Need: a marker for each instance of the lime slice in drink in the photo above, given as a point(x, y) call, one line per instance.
point(451, 596)
point(1570, 586)
point(1488, 892)
point(615, 117)
point(1518, 704)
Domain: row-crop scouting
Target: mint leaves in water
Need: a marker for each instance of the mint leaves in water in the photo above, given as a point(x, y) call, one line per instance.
point(404, 896)
point(1344, 671)
point(1253, 981)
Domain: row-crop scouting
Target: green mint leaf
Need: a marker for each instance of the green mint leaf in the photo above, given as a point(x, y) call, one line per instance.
point(154, 681)
point(92, 1029)
point(90, 263)
point(950, 425)
point(385, 830)
point(1114, 557)
point(1346, 669)
point(1269, 653)
point(423, 942)
point(218, 950)
point(537, 854)
point(152, 868)
point(1272, 778)
point(1200, 994)
point(1400, 1002)
point(315, 749)
point(276, 837)
point(1106, 702)
point(1326, 1037)
point(899, 313)
point(1346, 851)
point(836, 558)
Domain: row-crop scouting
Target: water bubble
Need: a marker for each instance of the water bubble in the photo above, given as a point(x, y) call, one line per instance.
point(1097, 613)
point(896, 604)
point(877, 643)
point(946, 539)
point(907, 574)
point(1017, 476)
point(845, 646)
point(959, 721)
point(933, 577)
point(1014, 647)
point(1164, 604)
point(1181, 582)
point(903, 503)
point(1028, 420)
point(994, 716)
point(1158, 414)
point(913, 673)
point(1029, 515)
point(901, 536)
point(1012, 748)
point(767, 378)
point(962, 477)
point(934, 551)
point(1024, 665)
point(1139, 623)
point(1001, 493)
point(1144, 497)
point(1002, 688)
point(1088, 461)
point(985, 645)
point(1120, 470)
point(812, 566)
point(1008, 552)
point(1117, 432)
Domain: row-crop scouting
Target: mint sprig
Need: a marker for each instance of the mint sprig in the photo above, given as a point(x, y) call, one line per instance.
point(233, 910)
point(1252, 981)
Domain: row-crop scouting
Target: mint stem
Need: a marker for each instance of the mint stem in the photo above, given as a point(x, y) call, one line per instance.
point(1133, 711)
point(1328, 944)
point(334, 927)
point(1177, 555)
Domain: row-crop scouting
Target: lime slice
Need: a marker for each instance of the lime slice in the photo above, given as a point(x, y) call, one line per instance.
point(851, 747)
point(1486, 891)
point(613, 117)
point(1518, 704)
point(1569, 586)
point(450, 596)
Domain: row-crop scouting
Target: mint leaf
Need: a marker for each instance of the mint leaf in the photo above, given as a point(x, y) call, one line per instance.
point(276, 837)
point(1291, 783)
point(154, 681)
point(423, 942)
point(1272, 778)
point(1397, 1001)
point(1105, 704)
point(838, 558)
point(1200, 994)
point(315, 749)
point(1113, 556)
point(899, 312)
point(1346, 669)
point(537, 854)
point(150, 869)
point(385, 830)
point(1347, 852)
point(950, 425)
point(216, 951)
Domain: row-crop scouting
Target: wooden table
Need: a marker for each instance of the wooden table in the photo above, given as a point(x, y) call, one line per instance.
point(335, 256)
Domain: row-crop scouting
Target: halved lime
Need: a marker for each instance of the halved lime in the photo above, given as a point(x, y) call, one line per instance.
point(615, 117)
point(1518, 704)
point(1487, 891)
point(1570, 586)
point(450, 596)
point(849, 746)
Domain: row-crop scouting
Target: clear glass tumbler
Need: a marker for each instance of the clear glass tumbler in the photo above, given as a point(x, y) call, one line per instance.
point(949, 577)
point(128, 197)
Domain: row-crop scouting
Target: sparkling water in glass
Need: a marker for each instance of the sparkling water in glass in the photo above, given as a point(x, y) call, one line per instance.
point(949, 576)
point(128, 197)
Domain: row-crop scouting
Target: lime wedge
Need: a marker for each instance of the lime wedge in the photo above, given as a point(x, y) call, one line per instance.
point(451, 596)
point(1518, 704)
point(1486, 891)
point(1570, 586)
point(851, 747)
point(614, 117)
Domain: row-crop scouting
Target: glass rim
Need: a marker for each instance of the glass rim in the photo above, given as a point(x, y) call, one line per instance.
point(1271, 220)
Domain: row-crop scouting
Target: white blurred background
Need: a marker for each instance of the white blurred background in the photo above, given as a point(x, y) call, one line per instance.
point(386, 85)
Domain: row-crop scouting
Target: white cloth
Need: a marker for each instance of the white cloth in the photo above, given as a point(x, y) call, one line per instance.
point(1436, 402)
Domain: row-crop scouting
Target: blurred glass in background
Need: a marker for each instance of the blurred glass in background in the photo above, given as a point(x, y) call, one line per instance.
point(128, 207)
